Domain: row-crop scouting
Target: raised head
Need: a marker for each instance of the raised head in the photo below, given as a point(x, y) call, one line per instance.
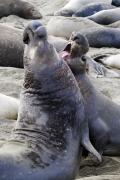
point(37, 49)
point(75, 51)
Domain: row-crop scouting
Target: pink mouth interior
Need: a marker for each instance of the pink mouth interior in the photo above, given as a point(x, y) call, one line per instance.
point(65, 54)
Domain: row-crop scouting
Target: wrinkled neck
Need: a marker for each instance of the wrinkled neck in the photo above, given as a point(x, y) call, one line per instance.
point(85, 85)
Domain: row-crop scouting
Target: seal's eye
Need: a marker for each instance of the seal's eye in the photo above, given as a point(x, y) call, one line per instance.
point(83, 58)
point(75, 38)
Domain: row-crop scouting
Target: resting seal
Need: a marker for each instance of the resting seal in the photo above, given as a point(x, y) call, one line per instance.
point(104, 17)
point(8, 107)
point(102, 37)
point(103, 115)
point(50, 129)
point(11, 47)
point(73, 5)
point(64, 26)
point(92, 8)
point(109, 60)
point(20, 8)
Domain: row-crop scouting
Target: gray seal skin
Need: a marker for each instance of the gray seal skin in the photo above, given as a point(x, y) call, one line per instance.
point(102, 37)
point(51, 127)
point(11, 47)
point(103, 115)
point(104, 17)
point(20, 8)
point(91, 9)
point(116, 3)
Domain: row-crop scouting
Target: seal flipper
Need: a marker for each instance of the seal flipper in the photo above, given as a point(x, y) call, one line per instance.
point(87, 144)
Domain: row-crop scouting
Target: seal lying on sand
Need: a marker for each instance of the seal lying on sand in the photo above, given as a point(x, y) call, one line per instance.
point(8, 107)
point(102, 37)
point(50, 129)
point(11, 46)
point(64, 26)
point(104, 17)
point(103, 115)
point(109, 60)
point(20, 8)
point(73, 5)
point(92, 8)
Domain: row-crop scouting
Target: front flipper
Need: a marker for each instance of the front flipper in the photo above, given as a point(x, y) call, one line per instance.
point(87, 144)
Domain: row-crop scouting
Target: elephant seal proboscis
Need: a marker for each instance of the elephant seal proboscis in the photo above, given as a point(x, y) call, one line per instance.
point(104, 17)
point(92, 8)
point(103, 115)
point(20, 8)
point(51, 128)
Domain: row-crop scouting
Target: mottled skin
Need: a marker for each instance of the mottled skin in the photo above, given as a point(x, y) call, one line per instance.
point(103, 115)
point(20, 8)
point(51, 127)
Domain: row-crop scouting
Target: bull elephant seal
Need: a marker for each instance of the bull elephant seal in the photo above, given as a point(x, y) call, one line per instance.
point(64, 26)
point(50, 129)
point(8, 107)
point(20, 8)
point(92, 8)
point(73, 5)
point(104, 17)
point(102, 37)
point(103, 114)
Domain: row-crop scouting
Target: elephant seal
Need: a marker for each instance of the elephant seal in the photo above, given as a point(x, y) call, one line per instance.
point(102, 37)
point(51, 128)
point(73, 5)
point(109, 60)
point(103, 115)
point(11, 46)
point(64, 26)
point(104, 17)
point(91, 9)
point(116, 3)
point(8, 107)
point(115, 24)
point(20, 8)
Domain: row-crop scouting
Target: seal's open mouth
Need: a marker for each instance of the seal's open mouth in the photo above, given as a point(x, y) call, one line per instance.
point(65, 54)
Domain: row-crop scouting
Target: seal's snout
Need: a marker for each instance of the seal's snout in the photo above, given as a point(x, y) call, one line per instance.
point(41, 32)
point(30, 30)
